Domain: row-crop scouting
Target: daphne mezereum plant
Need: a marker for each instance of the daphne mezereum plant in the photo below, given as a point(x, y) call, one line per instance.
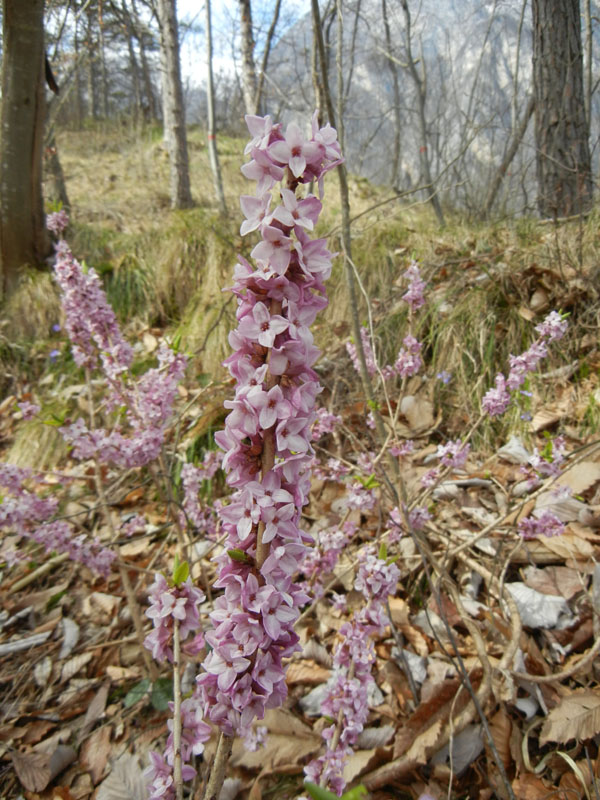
point(267, 433)
point(97, 345)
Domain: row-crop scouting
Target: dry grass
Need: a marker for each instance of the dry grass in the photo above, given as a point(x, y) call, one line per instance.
point(489, 284)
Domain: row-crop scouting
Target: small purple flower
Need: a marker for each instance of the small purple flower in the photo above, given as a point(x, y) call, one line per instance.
point(548, 524)
point(415, 295)
point(29, 410)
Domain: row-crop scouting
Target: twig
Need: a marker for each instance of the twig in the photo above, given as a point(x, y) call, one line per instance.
point(217, 772)
point(177, 767)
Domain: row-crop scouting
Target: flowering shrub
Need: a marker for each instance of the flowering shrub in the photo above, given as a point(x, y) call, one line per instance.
point(268, 431)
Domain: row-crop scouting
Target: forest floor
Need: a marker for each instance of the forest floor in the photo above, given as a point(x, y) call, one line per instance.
point(486, 678)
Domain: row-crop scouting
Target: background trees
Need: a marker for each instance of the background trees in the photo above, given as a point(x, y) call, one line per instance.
point(22, 235)
point(561, 127)
point(437, 96)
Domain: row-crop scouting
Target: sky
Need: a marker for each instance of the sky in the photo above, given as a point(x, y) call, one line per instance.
point(224, 15)
point(193, 49)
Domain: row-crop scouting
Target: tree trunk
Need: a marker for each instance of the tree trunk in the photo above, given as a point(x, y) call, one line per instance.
point(150, 107)
point(212, 133)
point(92, 59)
point(265, 58)
point(23, 238)
point(247, 48)
point(56, 187)
point(395, 170)
point(173, 111)
point(102, 60)
point(561, 130)
point(420, 83)
point(508, 158)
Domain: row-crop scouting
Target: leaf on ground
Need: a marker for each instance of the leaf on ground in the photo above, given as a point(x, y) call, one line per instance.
point(580, 477)
point(74, 665)
point(538, 610)
point(466, 747)
point(500, 728)
point(95, 710)
point(418, 412)
point(36, 770)
point(530, 787)
point(307, 672)
point(560, 581)
point(42, 671)
point(95, 752)
point(424, 743)
point(125, 781)
point(289, 741)
point(577, 716)
point(569, 546)
point(70, 637)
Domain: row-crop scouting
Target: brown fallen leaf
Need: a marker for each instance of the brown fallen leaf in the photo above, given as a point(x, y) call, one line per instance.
point(307, 672)
point(556, 580)
point(569, 546)
point(530, 787)
point(500, 728)
point(94, 753)
point(36, 770)
point(288, 742)
point(577, 716)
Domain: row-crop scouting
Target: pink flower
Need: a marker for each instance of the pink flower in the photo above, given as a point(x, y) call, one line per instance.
point(295, 151)
point(261, 326)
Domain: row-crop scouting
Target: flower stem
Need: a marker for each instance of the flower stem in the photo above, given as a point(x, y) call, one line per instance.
point(217, 772)
point(177, 773)
point(132, 603)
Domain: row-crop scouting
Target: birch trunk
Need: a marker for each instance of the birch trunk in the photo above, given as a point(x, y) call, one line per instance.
point(249, 82)
point(212, 135)
point(173, 111)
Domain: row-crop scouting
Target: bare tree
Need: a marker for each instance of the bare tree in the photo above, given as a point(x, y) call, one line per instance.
point(393, 68)
point(249, 82)
point(22, 233)
point(561, 130)
point(420, 83)
point(173, 109)
point(212, 132)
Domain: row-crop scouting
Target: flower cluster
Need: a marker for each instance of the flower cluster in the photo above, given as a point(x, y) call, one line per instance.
point(347, 698)
point(321, 559)
point(547, 524)
point(97, 341)
point(325, 423)
point(497, 400)
point(408, 361)
point(268, 431)
point(25, 513)
point(194, 733)
point(415, 296)
point(370, 359)
point(194, 512)
point(169, 603)
point(453, 454)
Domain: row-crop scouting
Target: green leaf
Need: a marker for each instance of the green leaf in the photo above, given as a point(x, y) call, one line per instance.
point(162, 693)
point(383, 551)
point(55, 600)
point(55, 421)
point(181, 571)
point(137, 693)
point(371, 482)
point(317, 793)
point(355, 794)
point(176, 343)
point(239, 555)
